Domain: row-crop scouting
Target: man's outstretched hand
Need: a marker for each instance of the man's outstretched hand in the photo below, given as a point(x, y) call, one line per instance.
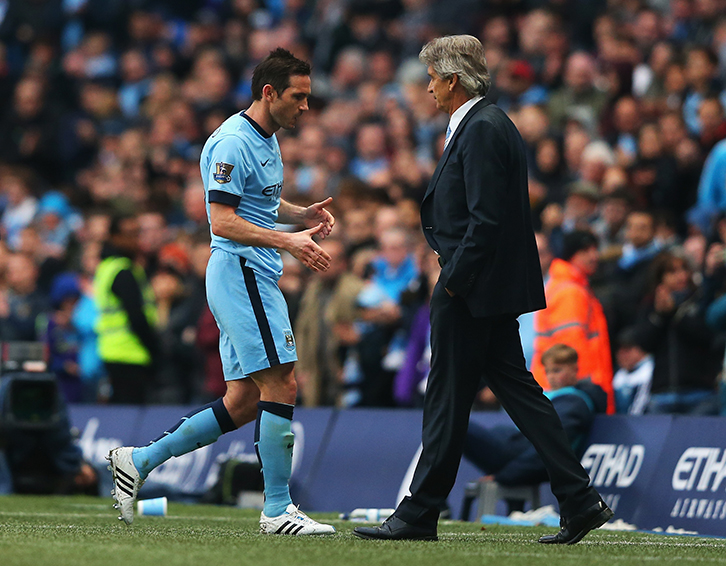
point(303, 248)
point(317, 214)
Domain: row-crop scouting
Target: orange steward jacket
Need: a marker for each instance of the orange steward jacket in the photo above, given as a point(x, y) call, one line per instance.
point(574, 317)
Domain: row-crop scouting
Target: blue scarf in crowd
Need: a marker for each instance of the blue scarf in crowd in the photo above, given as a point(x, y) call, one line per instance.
point(632, 256)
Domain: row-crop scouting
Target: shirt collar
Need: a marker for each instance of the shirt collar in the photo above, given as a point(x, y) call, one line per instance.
point(460, 112)
point(256, 126)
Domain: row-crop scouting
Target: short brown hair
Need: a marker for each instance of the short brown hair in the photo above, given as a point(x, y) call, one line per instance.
point(276, 70)
point(560, 354)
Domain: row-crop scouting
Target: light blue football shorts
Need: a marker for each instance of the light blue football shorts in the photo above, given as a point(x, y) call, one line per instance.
point(252, 316)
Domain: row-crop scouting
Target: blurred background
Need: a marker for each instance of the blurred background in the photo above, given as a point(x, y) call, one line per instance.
point(105, 105)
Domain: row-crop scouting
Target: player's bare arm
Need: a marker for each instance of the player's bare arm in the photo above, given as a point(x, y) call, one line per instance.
point(308, 216)
point(226, 224)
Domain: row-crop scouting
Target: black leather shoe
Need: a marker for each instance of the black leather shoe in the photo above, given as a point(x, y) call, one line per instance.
point(573, 529)
point(394, 528)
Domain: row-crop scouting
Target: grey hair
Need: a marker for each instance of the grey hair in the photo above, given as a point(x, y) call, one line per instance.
point(461, 55)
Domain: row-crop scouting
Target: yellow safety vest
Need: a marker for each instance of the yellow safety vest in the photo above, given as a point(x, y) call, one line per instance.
point(116, 341)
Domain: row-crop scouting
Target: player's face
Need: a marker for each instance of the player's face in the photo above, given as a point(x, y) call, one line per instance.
point(289, 105)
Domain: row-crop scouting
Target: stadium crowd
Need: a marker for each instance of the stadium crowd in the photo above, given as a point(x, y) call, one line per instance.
point(106, 105)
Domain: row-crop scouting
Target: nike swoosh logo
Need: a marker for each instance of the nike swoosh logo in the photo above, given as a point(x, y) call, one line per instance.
point(263, 163)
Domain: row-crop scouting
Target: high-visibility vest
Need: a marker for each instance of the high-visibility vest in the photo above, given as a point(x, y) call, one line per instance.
point(116, 340)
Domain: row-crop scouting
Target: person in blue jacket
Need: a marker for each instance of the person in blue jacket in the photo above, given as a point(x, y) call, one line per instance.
point(504, 454)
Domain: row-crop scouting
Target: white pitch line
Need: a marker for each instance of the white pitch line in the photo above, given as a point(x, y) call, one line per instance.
point(596, 541)
point(627, 559)
point(110, 515)
point(606, 538)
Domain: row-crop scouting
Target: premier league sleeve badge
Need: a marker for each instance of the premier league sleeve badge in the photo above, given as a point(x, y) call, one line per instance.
point(223, 173)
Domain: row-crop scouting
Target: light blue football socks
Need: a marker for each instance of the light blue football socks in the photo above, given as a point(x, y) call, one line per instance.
point(274, 442)
point(199, 428)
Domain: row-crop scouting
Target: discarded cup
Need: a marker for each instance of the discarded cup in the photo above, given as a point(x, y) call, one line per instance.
point(155, 506)
point(251, 500)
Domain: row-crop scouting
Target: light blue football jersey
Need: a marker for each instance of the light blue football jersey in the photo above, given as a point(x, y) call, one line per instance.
point(241, 166)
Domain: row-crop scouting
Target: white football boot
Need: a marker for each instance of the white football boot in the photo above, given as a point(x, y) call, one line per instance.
point(126, 482)
point(293, 522)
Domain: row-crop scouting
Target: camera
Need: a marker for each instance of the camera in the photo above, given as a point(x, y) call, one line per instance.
point(33, 422)
point(29, 397)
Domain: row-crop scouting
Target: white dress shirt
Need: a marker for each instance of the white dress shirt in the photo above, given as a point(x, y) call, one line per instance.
point(458, 116)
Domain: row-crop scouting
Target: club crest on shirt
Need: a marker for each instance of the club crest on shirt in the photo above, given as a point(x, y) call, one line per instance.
point(289, 340)
point(223, 173)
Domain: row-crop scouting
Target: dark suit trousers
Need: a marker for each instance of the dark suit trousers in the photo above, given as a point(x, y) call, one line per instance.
point(463, 349)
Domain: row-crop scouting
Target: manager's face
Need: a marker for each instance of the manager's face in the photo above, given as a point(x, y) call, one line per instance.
point(441, 89)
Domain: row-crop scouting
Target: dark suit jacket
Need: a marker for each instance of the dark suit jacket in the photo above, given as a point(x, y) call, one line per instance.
point(476, 215)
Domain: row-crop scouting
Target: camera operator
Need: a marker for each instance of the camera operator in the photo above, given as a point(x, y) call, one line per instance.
point(36, 439)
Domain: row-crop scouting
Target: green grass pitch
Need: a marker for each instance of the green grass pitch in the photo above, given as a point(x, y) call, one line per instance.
point(81, 531)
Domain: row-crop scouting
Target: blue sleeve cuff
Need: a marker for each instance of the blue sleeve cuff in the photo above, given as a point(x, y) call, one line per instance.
point(224, 198)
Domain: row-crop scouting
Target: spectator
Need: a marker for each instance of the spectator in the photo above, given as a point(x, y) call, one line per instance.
point(85, 318)
point(28, 133)
point(686, 357)
point(578, 97)
point(681, 189)
point(32, 245)
point(627, 280)
point(57, 222)
point(631, 382)
point(409, 384)
point(534, 124)
point(576, 140)
point(711, 189)
point(394, 268)
point(99, 63)
point(549, 169)
point(713, 125)
point(371, 163)
point(653, 171)
point(596, 158)
point(153, 234)
point(21, 305)
point(701, 75)
point(579, 212)
point(61, 337)
point(390, 273)
point(521, 88)
point(207, 341)
point(358, 231)
point(20, 205)
point(507, 457)
point(136, 84)
point(109, 107)
point(178, 312)
point(574, 316)
point(311, 175)
point(649, 78)
point(610, 224)
point(627, 118)
point(325, 329)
